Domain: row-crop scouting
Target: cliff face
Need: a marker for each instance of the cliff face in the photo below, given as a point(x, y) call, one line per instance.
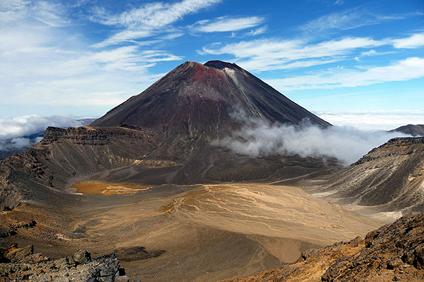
point(390, 176)
point(393, 252)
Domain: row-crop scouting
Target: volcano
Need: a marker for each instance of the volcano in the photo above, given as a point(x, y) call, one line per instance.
point(165, 135)
point(148, 176)
point(194, 105)
point(196, 99)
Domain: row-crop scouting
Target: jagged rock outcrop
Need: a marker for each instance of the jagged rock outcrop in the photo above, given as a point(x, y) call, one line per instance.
point(21, 264)
point(394, 252)
point(390, 177)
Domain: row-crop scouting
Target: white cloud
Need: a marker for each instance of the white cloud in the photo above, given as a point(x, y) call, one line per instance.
point(41, 63)
point(26, 125)
point(225, 24)
point(346, 20)
point(373, 120)
point(52, 14)
point(272, 54)
point(414, 41)
point(124, 36)
point(147, 20)
point(369, 53)
point(407, 69)
point(258, 31)
point(258, 137)
point(23, 132)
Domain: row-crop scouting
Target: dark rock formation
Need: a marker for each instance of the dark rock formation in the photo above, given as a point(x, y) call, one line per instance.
point(24, 265)
point(391, 253)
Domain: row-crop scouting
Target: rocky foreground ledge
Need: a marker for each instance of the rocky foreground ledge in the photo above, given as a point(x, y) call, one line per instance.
point(22, 264)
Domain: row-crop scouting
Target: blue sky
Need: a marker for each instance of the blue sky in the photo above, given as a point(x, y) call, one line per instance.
point(352, 62)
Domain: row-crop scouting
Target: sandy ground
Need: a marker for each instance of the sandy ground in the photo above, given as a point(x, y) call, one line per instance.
point(107, 189)
point(208, 232)
point(219, 231)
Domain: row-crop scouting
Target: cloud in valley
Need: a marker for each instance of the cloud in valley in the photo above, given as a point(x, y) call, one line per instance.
point(258, 138)
point(16, 132)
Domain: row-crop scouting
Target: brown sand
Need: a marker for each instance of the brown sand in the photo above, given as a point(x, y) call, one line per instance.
point(107, 189)
point(208, 232)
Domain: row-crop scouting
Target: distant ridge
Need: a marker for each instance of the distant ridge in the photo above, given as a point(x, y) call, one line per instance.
point(416, 130)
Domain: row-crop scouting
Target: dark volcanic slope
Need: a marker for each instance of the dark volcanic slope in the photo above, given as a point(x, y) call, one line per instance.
point(390, 176)
point(411, 129)
point(194, 99)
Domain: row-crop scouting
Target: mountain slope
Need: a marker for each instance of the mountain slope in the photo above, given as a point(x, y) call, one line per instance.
point(195, 98)
point(390, 177)
point(415, 130)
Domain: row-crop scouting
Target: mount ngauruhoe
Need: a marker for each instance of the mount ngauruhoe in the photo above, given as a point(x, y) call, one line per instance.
point(164, 135)
point(148, 182)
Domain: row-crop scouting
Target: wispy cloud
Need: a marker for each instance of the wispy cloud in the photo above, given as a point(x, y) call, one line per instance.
point(275, 54)
point(345, 20)
point(52, 14)
point(413, 41)
point(40, 59)
point(272, 54)
point(402, 70)
point(147, 20)
point(257, 31)
point(225, 24)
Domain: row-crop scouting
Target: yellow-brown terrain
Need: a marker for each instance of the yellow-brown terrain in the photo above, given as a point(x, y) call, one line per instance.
point(208, 232)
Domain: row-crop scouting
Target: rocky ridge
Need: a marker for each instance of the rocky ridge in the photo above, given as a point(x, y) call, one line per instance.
point(394, 252)
point(22, 264)
point(415, 130)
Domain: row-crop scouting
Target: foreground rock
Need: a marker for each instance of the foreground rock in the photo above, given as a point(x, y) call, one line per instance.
point(393, 252)
point(21, 264)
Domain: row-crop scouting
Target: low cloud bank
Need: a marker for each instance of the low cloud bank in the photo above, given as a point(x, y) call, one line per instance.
point(23, 132)
point(258, 137)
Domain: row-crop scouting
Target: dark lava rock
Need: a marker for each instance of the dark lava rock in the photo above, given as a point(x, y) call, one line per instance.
point(82, 257)
point(78, 267)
